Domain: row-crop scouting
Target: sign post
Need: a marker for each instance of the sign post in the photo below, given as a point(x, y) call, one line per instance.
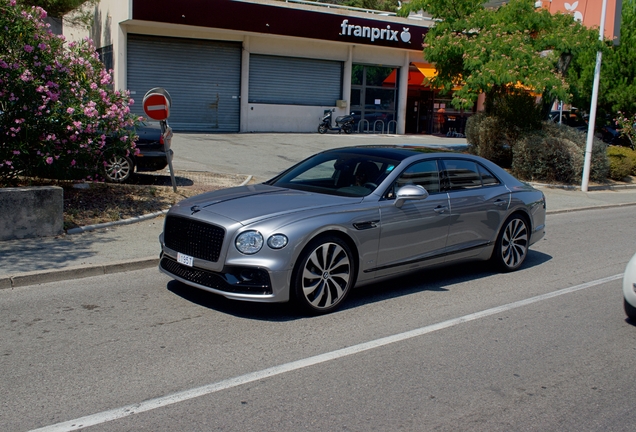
point(157, 102)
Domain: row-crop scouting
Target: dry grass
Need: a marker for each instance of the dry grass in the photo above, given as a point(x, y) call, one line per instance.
point(93, 203)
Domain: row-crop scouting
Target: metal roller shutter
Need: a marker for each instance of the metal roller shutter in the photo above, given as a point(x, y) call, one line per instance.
point(294, 81)
point(202, 77)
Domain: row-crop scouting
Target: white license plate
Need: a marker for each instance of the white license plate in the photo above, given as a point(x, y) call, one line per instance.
point(185, 259)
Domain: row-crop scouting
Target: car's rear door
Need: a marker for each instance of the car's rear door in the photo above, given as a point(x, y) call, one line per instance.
point(478, 203)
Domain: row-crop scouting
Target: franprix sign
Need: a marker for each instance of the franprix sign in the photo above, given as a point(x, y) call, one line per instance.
point(374, 33)
point(286, 19)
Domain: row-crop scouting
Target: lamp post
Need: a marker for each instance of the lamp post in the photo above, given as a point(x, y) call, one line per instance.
point(592, 117)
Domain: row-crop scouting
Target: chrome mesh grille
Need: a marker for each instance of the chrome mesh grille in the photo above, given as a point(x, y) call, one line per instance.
point(259, 285)
point(195, 238)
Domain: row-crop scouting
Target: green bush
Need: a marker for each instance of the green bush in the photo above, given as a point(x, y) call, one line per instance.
point(485, 135)
point(556, 154)
point(622, 162)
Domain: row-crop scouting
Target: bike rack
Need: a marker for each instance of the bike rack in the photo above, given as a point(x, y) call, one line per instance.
point(360, 124)
point(388, 127)
point(376, 123)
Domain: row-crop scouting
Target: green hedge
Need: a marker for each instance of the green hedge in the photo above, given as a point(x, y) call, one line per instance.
point(553, 154)
point(622, 162)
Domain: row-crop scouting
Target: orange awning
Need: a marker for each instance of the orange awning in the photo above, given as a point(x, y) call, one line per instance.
point(417, 78)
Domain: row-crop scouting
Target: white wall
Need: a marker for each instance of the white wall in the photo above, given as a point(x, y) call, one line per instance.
point(285, 118)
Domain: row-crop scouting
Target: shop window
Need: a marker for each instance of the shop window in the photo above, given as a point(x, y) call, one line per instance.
point(374, 97)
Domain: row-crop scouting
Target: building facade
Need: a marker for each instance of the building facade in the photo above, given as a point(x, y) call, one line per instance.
point(270, 66)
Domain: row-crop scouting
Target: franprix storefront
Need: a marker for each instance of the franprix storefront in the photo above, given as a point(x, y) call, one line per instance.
point(261, 66)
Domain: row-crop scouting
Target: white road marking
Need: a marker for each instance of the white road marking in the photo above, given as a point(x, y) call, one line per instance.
point(174, 398)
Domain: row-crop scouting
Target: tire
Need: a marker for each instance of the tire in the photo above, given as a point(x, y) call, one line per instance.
point(118, 169)
point(322, 128)
point(347, 128)
point(512, 244)
point(629, 310)
point(324, 275)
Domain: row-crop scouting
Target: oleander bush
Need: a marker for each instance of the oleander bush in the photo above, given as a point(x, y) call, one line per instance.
point(58, 113)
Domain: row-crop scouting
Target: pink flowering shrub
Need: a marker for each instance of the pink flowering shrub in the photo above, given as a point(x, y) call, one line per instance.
point(626, 125)
point(58, 114)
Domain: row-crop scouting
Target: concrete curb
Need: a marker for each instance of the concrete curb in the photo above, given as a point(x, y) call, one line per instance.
point(76, 272)
point(598, 207)
point(576, 188)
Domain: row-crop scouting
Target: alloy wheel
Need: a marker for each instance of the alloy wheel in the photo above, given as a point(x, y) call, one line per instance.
point(514, 243)
point(326, 276)
point(118, 169)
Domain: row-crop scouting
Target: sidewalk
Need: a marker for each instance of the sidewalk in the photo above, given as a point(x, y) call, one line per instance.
point(118, 248)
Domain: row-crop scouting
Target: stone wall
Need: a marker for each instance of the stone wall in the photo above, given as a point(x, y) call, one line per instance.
point(31, 212)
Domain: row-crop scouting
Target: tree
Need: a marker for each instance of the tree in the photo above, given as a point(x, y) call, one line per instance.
point(500, 51)
point(618, 73)
point(75, 12)
point(58, 115)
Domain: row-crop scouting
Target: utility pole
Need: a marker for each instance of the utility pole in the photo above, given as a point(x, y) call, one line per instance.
point(592, 117)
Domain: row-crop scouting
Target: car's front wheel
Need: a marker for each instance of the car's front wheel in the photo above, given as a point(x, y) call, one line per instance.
point(629, 310)
point(512, 244)
point(324, 275)
point(118, 169)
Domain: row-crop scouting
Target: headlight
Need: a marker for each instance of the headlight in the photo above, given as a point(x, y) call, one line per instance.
point(277, 241)
point(249, 242)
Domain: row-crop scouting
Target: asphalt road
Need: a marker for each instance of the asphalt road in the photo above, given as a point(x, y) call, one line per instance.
point(544, 348)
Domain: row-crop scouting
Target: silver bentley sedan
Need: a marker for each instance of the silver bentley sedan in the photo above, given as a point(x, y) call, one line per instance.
point(349, 217)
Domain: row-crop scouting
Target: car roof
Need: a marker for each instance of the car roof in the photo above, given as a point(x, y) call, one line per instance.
point(395, 152)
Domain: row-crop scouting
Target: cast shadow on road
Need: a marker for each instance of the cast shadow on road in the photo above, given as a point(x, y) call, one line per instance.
point(433, 280)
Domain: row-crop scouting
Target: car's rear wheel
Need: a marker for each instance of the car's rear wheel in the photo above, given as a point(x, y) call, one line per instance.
point(324, 275)
point(512, 244)
point(629, 310)
point(118, 169)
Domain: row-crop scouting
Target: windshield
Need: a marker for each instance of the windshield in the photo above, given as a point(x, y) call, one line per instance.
point(342, 174)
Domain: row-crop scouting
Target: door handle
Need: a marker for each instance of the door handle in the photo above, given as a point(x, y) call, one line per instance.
point(440, 209)
point(500, 202)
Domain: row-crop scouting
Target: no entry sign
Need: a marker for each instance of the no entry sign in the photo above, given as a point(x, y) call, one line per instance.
point(157, 103)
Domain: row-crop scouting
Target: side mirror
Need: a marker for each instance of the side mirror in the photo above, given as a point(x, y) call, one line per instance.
point(333, 110)
point(410, 193)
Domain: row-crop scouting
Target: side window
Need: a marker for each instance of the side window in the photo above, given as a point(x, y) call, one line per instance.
point(462, 174)
point(425, 174)
point(487, 178)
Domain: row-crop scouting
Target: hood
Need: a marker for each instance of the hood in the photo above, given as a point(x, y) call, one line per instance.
point(248, 204)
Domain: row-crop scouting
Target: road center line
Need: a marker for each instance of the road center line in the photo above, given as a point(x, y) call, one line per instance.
point(185, 395)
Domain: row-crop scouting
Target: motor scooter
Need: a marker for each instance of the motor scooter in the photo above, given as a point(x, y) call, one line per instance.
point(343, 123)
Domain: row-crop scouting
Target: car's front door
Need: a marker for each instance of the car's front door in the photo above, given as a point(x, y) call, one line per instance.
point(414, 234)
